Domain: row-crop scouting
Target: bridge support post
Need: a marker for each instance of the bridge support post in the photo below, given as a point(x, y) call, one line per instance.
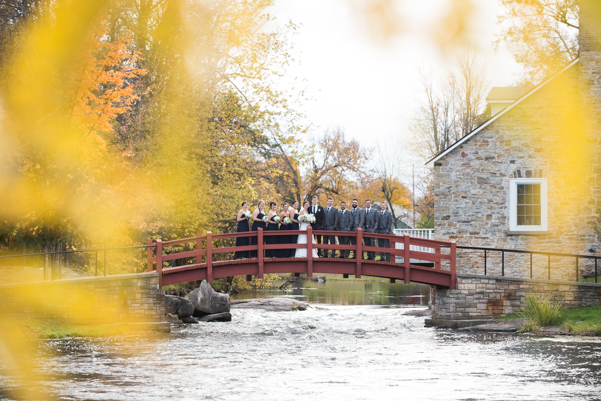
point(454, 265)
point(198, 247)
point(407, 257)
point(148, 256)
point(209, 257)
point(359, 252)
point(260, 251)
point(309, 251)
point(160, 261)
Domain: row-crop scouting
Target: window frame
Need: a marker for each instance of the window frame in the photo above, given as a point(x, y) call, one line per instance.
point(514, 228)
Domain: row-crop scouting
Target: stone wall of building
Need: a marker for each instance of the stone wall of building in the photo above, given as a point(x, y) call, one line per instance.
point(482, 297)
point(540, 137)
point(112, 299)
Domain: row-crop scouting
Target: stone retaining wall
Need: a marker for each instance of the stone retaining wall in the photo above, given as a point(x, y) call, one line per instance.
point(112, 299)
point(481, 297)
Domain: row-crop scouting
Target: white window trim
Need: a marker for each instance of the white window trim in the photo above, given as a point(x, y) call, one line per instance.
point(513, 210)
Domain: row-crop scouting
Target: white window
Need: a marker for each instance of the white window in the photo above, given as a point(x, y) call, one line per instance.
point(527, 205)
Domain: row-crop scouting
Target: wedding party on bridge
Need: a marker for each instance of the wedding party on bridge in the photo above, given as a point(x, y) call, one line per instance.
point(328, 218)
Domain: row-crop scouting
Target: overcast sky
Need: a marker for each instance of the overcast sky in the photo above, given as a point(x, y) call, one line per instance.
point(370, 88)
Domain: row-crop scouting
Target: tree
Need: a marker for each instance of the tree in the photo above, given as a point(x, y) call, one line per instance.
point(542, 35)
point(387, 168)
point(335, 165)
point(424, 205)
point(451, 111)
point(470, 86)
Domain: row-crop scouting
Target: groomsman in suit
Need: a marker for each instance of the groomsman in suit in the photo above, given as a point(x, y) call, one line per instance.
point(370, 226)
point(359, 219)
point(330, 224)
point(384, 227)
point(346, 222)
point(317, 211)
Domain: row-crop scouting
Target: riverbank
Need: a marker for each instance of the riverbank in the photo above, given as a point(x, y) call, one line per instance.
point(583, 321)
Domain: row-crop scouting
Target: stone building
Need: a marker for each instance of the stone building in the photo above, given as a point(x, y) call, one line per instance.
point(529, 177)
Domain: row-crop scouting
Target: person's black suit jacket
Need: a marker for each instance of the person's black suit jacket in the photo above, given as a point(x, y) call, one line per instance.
point(320, 216)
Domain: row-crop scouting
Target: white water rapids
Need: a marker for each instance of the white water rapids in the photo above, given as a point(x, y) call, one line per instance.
point(327, 353)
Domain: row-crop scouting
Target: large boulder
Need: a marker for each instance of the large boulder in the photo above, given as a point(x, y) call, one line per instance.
point(270, 304)
point(179, 306)
point(207, 301)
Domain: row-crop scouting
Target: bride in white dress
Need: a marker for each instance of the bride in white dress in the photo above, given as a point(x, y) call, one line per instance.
point(302, 238)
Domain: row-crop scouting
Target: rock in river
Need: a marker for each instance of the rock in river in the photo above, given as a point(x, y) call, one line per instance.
point(171, 318)
point(217, 317)
point(179, 306)
point(207, 301)
point(270, 304)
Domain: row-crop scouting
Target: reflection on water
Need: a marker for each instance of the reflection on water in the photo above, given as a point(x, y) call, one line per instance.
point(351, 292)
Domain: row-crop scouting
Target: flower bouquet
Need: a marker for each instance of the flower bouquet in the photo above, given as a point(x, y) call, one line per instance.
point(248, 215)
point(265, 219)
point(276, 219)
point(287, 220)
point(307, 218)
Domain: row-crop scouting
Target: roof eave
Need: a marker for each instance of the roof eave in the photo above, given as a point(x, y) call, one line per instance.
point(430, 163)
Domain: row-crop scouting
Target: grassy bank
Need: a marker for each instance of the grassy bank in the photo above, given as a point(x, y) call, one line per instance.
point(578, 321)
point(584, 320)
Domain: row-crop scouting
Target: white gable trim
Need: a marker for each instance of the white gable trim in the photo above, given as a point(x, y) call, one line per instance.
point(430, 163)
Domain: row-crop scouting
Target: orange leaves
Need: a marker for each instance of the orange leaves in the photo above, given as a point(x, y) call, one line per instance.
point(106, 86)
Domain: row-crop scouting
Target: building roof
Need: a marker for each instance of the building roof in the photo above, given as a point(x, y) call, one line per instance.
point(430, 163)
point(512, 93)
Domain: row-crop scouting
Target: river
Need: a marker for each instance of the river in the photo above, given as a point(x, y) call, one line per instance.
point(340, 350)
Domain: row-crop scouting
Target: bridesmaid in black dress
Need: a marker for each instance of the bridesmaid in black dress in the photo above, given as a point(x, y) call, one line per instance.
point(285, 238)
point(295, 226)
point(272, 226)
point(258, 215)
point(243, 226)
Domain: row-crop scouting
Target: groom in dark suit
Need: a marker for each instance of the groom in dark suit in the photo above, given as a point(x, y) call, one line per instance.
point(320, 216)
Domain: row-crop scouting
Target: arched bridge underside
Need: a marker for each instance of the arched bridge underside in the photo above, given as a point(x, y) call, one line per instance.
point(200, 263)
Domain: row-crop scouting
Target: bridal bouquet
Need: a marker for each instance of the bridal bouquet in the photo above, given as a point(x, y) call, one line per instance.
point(276, 219)
point(307, 218)
point(248, 215)
point(265, 219)
point(287, 220)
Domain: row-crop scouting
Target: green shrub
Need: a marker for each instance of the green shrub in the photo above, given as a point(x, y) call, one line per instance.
point(542, 312)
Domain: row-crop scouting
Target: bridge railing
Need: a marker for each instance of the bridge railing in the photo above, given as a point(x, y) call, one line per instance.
point(203, 256)
point(527, 266)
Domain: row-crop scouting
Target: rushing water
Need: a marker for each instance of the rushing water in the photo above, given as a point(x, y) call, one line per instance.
point(338, 352)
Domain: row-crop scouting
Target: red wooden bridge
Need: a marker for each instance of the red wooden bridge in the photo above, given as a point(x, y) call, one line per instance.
point(203, 263)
